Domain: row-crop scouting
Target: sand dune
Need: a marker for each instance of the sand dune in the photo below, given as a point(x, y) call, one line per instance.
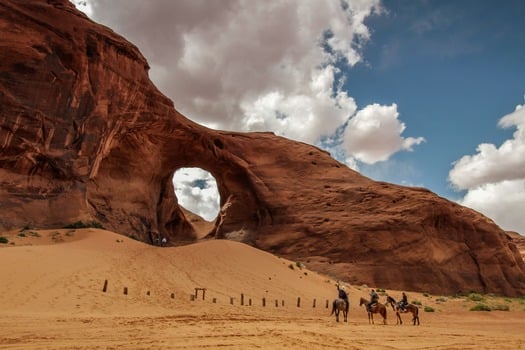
point(52, 287)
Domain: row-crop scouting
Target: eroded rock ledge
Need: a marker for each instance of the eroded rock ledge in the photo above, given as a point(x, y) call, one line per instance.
point(85, 135)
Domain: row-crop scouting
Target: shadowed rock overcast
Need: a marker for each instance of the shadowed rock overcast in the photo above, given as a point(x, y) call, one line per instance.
point(86, 136)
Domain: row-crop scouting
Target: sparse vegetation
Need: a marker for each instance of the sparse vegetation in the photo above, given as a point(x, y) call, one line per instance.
point(426, 294)
point(480, 307)
point(34, 234)
point(4, 240)
point(417, 302)
point(475, 296)
point(500, 307)
point(299, 264)
point(80, 224)
point(428, 309)
point(441, 300)
point(22, 234)
point(291, 267)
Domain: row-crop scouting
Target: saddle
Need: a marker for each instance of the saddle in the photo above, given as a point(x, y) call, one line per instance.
point(402, 309)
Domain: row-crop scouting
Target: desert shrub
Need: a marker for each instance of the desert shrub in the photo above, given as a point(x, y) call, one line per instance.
point(380, 290)
point(80, 224)
point(417, 302)
point(475, 297)
point(500, 307)
point(508, 300)
point(290, 266)
point(22, 234)
point(34, 234)
point(480, 307)
point(428, 309)
point(299, 264)
point(426, 294)
point(441, 299)
point(4, 240)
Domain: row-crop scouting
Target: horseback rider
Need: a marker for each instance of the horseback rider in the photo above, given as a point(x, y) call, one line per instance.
point(374, 298)
point(342, 293)
point(403, 303)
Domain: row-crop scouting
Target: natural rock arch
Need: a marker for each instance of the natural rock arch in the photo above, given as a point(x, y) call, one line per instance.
point(85, 135)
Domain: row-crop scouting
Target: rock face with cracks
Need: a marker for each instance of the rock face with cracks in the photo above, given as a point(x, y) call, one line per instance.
point(85, 136)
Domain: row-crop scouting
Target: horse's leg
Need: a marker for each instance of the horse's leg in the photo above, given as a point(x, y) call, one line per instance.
point(399, 320)
point(337, 315)
point(415, 318)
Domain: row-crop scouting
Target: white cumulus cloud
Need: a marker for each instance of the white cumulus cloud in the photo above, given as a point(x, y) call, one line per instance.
point(374, 134)
point(494, 177)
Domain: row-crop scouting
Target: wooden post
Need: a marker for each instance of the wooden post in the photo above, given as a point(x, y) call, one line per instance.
point(147, 293)
point(282, 302)
point(250, 301)
point(314, 303)
point(203, 290)
point(172, 295)
point(105, 288)
point(192, 297)
point(125, 290)
point(299, 302)
point(214, 300)
point(242, 299)
point(231, 300)
point(327, 303)
point(276, 303)
point(264, 302)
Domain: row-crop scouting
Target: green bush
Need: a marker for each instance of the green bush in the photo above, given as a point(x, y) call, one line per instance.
point(428, 309)
point(22, 234)
point(475, 297)
point(500, 307)
point(426, 294)
point(80, 224)
point(480, 307)
point(417, 302)
point(4, 240)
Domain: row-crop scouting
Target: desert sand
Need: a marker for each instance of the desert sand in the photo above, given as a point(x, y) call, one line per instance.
point(52, 285)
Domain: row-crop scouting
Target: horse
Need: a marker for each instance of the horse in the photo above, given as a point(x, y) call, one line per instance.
point(409, 308)
point(376, 308)
point(340, 305)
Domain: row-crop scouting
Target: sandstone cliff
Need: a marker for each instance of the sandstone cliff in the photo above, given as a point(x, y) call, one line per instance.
point(85, 135)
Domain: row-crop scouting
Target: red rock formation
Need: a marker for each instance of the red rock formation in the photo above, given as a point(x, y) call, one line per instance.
point(85, 135)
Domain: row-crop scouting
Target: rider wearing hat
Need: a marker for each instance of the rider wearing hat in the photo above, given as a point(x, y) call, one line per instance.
point(342, 293)
point(374, 298)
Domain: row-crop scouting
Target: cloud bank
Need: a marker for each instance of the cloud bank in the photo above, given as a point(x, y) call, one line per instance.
point(494, 177)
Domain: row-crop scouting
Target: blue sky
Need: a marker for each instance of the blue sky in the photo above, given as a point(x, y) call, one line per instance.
point(414, 92)
point(454, 68)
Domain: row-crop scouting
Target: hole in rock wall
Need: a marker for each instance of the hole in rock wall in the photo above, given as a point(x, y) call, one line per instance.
point(196, 191)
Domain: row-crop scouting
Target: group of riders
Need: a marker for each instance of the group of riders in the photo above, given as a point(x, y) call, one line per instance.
point(374, 298)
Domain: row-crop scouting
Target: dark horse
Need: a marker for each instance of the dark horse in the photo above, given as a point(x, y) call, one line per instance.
point(409, 308)
point(376, 308)
point(340, 305)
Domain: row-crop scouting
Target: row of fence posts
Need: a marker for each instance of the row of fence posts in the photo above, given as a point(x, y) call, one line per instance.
point(194, 297)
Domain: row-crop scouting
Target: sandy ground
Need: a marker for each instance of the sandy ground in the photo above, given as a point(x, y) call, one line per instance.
point(52, 286)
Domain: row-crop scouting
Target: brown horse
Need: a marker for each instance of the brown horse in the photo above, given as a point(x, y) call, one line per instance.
point(376, 308)
point(409, 308)
point(338, 306)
